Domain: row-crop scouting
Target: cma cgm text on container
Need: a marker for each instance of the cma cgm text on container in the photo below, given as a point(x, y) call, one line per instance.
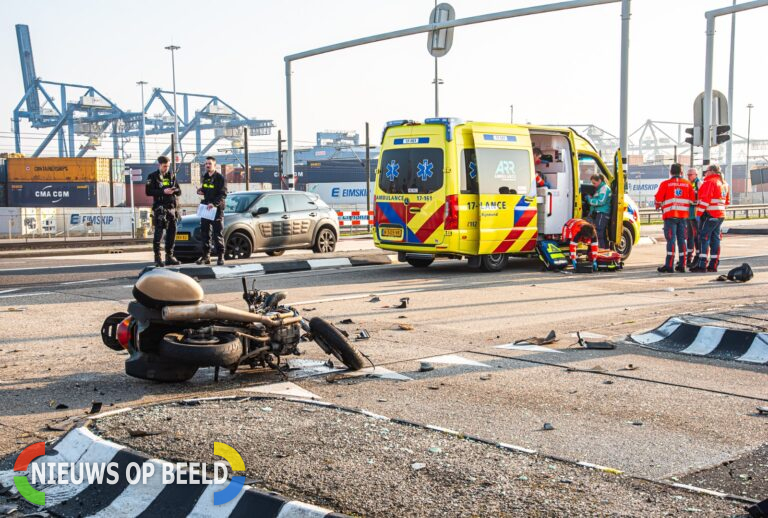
point(58, 194)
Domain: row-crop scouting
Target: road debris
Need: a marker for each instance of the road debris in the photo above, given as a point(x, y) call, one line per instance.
point(485, 377)
point(347, 321)
point(403, 303)
point(548, 426)
point(14, 310)
point(362, 335)
point(95, 407)
point(426, 367)
point(435, 449)
point(416, 466)
point(375, 298)
point(142, 433)
point(763, 410)
point(405, 327)
point(308, 309)
point(537, 340)
point(629, 367)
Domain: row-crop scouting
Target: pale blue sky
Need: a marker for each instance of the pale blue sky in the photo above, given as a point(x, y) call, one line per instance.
point(554, 68)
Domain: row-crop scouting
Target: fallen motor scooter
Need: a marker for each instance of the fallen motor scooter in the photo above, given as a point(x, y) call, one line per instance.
point(170, 333)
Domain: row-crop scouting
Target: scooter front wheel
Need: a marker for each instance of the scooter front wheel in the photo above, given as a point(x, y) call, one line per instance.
point(330, 338)
point(222, 349)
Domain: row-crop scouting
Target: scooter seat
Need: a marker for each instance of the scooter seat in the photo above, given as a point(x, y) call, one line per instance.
point(161, 287)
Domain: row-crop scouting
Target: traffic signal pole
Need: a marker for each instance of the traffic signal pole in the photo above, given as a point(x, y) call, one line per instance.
point(707, 108)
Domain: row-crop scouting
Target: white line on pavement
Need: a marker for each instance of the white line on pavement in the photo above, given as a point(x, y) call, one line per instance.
point(64, 266)
point(27, 294)
point(80, 282)
point(10, 290)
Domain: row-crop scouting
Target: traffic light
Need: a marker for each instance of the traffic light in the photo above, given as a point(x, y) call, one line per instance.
point(695, 136)
point(722, 134)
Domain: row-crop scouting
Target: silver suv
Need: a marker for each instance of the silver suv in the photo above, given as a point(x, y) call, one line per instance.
point(266, 221)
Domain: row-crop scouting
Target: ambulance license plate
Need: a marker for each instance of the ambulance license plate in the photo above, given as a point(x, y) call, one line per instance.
point(395, 233)
point(182, 237)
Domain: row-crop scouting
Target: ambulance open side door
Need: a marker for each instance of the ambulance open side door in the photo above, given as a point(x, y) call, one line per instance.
point(618, 205)
point(506, 187)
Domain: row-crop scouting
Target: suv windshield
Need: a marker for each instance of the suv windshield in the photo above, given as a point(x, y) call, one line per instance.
point(411, 171)
point(239, 202)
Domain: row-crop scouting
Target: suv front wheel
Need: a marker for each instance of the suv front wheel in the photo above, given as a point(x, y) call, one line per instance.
point(325, 242)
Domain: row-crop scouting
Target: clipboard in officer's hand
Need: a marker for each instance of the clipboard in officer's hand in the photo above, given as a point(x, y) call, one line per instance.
point(205, 213)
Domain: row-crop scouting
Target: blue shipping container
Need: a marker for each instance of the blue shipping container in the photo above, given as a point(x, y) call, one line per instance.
point(61, 194)
point(3, 195)
point(3, 171)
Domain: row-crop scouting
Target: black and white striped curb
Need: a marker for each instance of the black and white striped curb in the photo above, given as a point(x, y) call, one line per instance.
point(679, 336)
point(248, 270)
point(153, 498)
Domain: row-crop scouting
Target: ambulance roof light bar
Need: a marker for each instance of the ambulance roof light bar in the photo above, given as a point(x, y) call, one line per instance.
point(448, 122)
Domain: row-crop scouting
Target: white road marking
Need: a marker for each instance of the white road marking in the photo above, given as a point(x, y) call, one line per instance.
point(295, 509)
point(63, 266)
point(319, 264)
point(285, 388)
point(79, 282)
point(10, 290)
point(204, 507)
point(224, 272)
point(26, 294)
point(454, 359)
point(527, 347)
point(515, 448)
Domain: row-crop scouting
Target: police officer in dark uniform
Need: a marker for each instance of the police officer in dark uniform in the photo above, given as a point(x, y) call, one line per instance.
point(164, 189)
point(214, 192)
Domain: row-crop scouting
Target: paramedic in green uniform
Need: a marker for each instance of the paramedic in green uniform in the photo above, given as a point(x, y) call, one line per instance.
point(600, 208)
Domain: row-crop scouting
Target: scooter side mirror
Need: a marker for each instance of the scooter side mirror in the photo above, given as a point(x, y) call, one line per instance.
point(260, 211)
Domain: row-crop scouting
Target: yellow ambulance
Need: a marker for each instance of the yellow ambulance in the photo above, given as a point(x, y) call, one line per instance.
point(448, 188)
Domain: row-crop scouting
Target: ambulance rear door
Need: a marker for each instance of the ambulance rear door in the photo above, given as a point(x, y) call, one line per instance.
point(618, 204)
point(507, 192)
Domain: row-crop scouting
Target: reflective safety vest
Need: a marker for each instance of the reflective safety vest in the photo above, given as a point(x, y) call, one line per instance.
point(570, 231)
point(675, 197)
point(714, 197)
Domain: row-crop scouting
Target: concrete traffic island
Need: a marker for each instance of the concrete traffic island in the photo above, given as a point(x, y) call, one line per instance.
point(360, 463)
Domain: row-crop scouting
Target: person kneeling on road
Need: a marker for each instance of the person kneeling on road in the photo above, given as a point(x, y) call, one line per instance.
point(675, 197)
point(714, 197)
point(164, 189)
point(578, 231)
point(214, 192)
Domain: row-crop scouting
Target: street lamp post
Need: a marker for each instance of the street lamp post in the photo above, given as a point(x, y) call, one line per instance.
point(511, 113)
point(142, 128)
point(173, 49)
point(749, 131)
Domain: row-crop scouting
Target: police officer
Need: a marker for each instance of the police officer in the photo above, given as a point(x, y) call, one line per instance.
point(674, 198)
point(214, 192)
point(164, 189)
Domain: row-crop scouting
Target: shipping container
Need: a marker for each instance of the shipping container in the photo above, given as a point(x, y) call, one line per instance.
point(185, 172)
point(118, 194)
point(3, 171)
point(3, 196)
point(58, 194)
point(188, 198)
point(118, 169)
point(62, 170)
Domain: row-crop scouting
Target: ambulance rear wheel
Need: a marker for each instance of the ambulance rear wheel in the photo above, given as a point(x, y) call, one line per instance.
point(494, 262)
point(419, 262)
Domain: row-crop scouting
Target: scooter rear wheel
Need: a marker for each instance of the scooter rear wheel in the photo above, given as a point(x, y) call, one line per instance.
point(327, 335)
point(223, 349)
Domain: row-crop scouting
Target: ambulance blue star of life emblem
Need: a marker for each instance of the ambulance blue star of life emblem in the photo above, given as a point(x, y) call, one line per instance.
point(678, 192)
point(424, 170)
point(393, 170)
point(472, 170)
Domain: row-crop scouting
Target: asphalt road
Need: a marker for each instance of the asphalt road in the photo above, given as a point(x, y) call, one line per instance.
point(692, 413)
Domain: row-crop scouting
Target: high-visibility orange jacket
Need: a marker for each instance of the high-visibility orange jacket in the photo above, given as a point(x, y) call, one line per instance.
point(714, 197)
point(675, 197)
point(571, 229)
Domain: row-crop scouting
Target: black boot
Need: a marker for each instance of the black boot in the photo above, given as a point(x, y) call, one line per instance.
point(205, 259)
point(664, 269)
point(170, 260)
point(220, 261)
point(680, 267)
point(158, 260)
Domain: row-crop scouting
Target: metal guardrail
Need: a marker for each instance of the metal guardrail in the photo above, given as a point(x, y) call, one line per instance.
point(755, 211)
